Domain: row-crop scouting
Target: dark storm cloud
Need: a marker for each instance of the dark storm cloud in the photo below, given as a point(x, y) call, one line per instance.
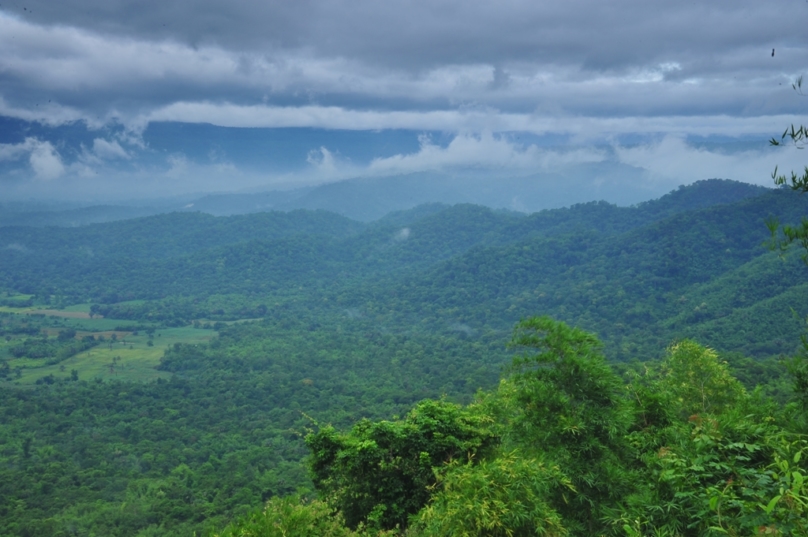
point(426, 33)
point(580, 56)
point(586, 69)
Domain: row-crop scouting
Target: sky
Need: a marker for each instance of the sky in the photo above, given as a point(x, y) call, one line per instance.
point(106, 99)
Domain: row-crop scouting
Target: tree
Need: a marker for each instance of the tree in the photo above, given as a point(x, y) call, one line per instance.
point(791, 233)
point(571, 408)
point(506, 496)
point(797, 365)
point(380, 473)
point(291, 515)
point(698, 381)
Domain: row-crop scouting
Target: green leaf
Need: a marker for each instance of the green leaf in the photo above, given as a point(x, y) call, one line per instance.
point(797, 483)
point(769, 508)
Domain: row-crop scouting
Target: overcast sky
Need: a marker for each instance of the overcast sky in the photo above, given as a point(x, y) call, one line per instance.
point(105, 96)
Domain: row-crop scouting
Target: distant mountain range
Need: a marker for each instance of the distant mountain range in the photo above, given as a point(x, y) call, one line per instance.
point(370, 198)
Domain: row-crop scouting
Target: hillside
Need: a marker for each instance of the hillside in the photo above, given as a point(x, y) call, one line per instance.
point(158, 374)
point(626, 273)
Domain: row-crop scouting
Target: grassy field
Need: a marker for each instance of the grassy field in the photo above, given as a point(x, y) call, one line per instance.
point(129, 358)
point(16, 297)
point(126, 357)
point(76, 317)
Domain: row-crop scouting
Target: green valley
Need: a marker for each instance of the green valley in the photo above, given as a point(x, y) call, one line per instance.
point(182, 374)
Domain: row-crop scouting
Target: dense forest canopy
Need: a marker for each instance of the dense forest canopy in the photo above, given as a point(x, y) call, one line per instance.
point(173, 373)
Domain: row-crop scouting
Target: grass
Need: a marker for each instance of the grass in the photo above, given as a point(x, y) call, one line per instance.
point(75, 312)
point(17, 297)
point(75, 317)
point(83, 308)
point(102, 324)
point(129, 357)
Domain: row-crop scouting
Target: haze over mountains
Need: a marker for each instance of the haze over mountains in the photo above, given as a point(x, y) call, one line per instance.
point(367, 199)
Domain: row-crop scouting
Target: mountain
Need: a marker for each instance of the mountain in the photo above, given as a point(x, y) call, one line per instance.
point(158, 374)
point(370, 198)
point(627, 273)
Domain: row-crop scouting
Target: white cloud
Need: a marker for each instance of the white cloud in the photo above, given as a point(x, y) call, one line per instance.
point(459, 120)
point(402, 235)
point(16, 151)
point(42, 156)
point(51, 114)
point(465, 150)
point(473, 153)
point(484, 151)
point(18, 247)
point(46, 162)
point(109, 150)
point(323, 162)
point(178, 166)
point(672, 158)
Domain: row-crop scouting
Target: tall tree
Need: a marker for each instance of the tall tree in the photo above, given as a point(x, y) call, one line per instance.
point(571, 408)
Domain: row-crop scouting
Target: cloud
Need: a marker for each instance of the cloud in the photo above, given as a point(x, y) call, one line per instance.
point(465, 153)
point(52, 114)
point(465, 120)
point(109, 150)
point(415, 59)
point(485, 151)
point(423, 33)
point(478, 72)
point(402, 235)
point(657, 166)
point(322, 160)
point(16, 151)
point(46, 162)
point(18, 247)
point(178, 166)
point(672, 158)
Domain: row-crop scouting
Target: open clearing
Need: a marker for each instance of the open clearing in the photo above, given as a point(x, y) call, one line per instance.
point(74, 314)
point(129, 358)
point(126, 357)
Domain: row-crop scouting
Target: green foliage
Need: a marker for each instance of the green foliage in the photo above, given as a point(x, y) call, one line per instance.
point(634, 275)
point(571, 407)
point(798, 136)
point(697, 381)
point(291, 517)
point(54, 350)
point(566, 390)
point(364, 320)
point(717, 475)
point(507, 496)
point(798, 368)
point(102, 455)
point(708, 453)
point(381, 473)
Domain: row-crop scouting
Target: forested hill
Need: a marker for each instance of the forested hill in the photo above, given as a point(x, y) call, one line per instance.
point(632, 288)
point(433, 232)
point(158, 374)
point(172, 234)
point(631, 274)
